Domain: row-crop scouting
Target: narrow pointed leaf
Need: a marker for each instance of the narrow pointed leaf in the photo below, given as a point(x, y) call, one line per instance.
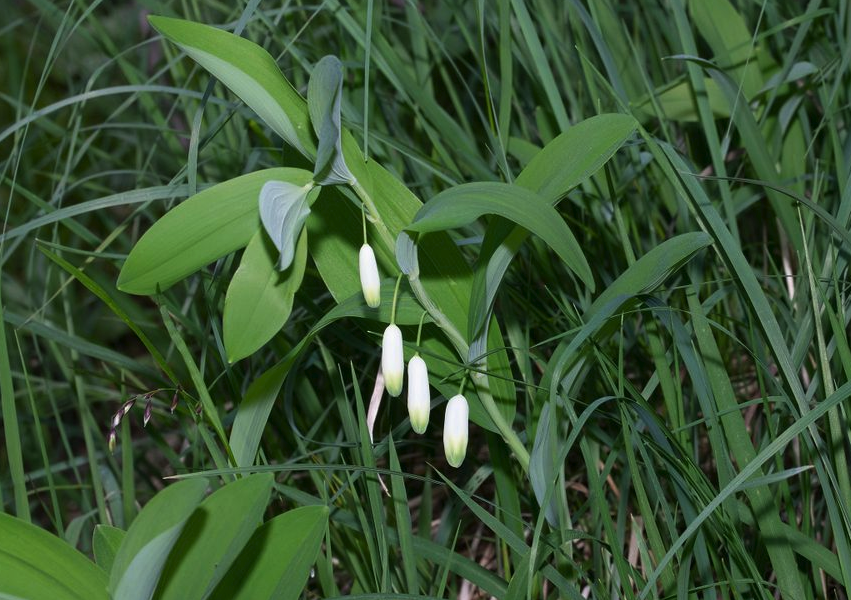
point(249, 72)
point(560, 166)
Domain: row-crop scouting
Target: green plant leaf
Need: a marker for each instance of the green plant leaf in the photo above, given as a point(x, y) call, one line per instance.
point(560, 166)
point(260, 298)
point(731, 40)
point(542, 467)
point(106, 540)
point(465, 203)
point(203, 228)
point(324, 93)
point(141, 556)
point(249, 71)
point(107, 297)
point(283, 210)
point(213, 537)
point(37, 565)
point(277, 560)
point(677, 102)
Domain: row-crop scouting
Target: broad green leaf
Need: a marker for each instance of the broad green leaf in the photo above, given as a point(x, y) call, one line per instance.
point(283, 210)
point(575, 155)
point(277, 560)
point(257, 403)
point(142, 554)
point(465, 203)
point(560, 166)
point(324, 93)
point(37, 565)
point(201, 229)
point(105, 543)
point(731, 40)
point(259, 298)
point(678, 104)
point(213, 537)
point(249, 71)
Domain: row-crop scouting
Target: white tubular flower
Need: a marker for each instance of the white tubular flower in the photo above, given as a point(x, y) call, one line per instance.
point(370, 283)
point(393, 360)
point(419, 399)
point(455, 430)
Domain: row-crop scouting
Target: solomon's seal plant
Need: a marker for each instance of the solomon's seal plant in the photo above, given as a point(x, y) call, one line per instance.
point(270, 212)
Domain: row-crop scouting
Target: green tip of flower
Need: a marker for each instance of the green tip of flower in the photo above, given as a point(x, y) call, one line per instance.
point(455, 430)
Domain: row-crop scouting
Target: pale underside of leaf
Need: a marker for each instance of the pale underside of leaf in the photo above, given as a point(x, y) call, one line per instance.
point(324, 94)
point(283, 211)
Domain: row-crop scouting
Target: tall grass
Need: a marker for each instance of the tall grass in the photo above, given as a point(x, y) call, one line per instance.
point(688, 438)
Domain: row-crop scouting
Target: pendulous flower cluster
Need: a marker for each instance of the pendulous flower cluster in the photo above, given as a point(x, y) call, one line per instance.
point(455, 428)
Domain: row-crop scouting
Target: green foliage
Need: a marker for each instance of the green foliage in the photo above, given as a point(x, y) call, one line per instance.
point(176, 548)
point(36, 564)
point(622, 234)
point(207, 226)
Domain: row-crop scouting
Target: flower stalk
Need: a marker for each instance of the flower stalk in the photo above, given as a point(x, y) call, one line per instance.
point(455, 337)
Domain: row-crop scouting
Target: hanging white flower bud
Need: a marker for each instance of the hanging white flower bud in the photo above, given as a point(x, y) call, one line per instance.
point(455, 430)
point(393, 360)
point(419, 398)
point(370, 283)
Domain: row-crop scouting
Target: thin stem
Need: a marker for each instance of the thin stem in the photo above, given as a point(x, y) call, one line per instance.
point(395, 297)
point(363, 221)
point(420, 329)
